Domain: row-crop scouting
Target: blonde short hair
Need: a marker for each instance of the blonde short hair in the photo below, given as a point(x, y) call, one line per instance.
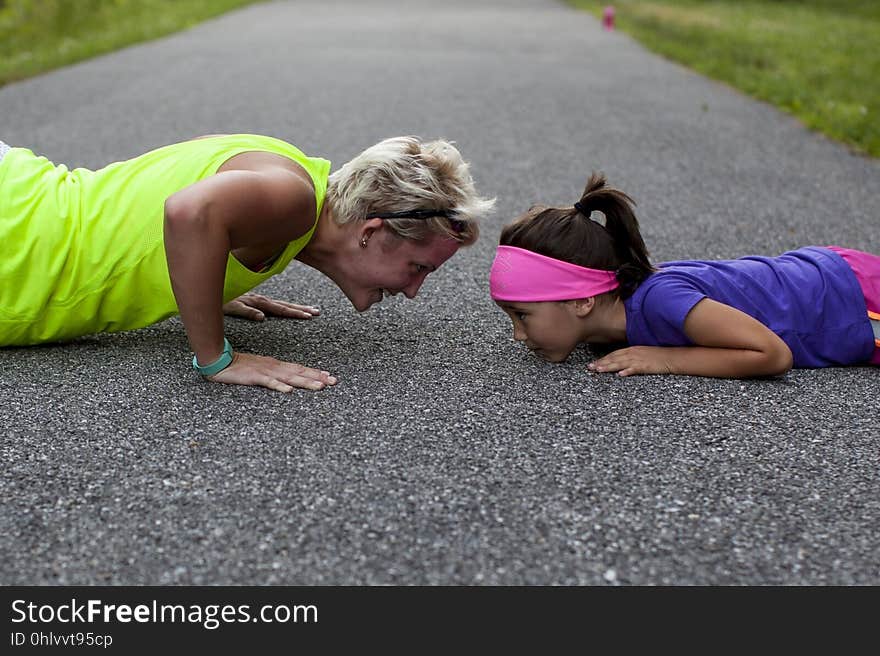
point(405, 174)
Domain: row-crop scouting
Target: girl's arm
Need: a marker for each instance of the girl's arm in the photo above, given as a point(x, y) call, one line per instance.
point(728, 344)
point(203, 223)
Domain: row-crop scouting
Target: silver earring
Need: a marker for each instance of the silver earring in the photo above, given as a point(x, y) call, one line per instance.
point(364, 242)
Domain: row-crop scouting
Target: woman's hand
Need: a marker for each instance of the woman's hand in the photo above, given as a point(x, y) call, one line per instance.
point(256, 307)
point(250, 369)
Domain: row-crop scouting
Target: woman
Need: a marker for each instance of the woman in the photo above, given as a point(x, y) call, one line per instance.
point(189, 228)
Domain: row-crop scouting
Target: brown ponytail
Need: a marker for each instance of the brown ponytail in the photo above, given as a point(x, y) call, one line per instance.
point(569, 234)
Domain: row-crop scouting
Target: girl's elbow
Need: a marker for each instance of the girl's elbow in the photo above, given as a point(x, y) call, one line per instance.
point(780, 360)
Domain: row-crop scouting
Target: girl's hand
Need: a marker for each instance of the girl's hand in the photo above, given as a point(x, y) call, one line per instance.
point(255, 307)
point(250, 369)
point(634, 360)
point(727, 344)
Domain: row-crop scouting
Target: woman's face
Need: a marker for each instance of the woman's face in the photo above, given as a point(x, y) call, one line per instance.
point(390, 264)
point(550, 329)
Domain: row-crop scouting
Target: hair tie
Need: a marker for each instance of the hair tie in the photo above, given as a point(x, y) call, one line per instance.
point(580, 208)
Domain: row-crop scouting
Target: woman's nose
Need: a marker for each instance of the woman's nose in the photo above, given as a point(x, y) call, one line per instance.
point(412, 289)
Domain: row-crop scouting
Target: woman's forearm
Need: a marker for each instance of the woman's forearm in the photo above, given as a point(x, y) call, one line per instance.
point(197, 251)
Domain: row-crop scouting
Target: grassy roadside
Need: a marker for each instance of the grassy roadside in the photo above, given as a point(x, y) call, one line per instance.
point(816, 59)
point(39, 35)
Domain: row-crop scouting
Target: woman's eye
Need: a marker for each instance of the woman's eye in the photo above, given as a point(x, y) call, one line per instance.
point(420, 268)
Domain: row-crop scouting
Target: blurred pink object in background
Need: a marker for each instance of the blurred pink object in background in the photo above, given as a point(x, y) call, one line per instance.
point(608, 18)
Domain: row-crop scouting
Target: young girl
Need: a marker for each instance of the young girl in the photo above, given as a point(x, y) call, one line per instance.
point(564, 278)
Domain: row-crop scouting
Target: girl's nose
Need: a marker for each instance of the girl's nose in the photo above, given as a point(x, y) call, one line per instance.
point(518, 333)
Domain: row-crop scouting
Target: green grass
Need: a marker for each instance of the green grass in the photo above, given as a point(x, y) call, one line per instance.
point(816, 59)
point(39, 35)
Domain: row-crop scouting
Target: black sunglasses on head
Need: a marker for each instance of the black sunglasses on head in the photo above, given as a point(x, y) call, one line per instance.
point(456, 224)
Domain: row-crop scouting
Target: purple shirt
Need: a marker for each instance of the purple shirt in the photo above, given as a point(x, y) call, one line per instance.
point(809, 297)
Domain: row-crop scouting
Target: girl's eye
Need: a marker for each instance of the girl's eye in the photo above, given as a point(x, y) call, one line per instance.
point(420, 268)
point(520, 315)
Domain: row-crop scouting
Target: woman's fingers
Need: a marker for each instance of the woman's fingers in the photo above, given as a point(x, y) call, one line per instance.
point(249, 369)
point(281, 309)
point(237, 308)
point(250, 312)
point(306, 377)
point(257, 306)
point(276, 385)
point(285, 305)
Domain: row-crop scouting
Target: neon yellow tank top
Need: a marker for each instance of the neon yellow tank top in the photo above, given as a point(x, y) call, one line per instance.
point(83, 252)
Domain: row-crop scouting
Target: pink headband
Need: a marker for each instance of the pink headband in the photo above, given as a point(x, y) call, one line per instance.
point(525, 276)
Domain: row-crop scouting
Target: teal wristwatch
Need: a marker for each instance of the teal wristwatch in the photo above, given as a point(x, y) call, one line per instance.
point(217, 365)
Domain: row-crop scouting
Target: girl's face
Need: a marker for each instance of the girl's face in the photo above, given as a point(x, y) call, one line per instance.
point(550, 329)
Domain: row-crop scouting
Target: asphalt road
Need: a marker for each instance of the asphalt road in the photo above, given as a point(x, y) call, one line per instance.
point(446, 454)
